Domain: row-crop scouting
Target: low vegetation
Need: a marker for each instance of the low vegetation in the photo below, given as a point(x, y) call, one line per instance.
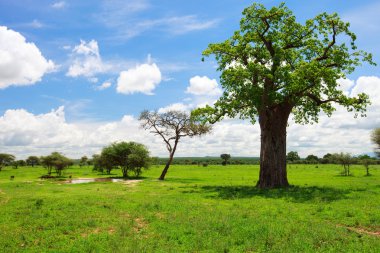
point(196, 209)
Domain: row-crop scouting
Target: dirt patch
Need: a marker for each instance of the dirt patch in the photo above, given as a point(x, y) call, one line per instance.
point(361, 230)
point(139, 225)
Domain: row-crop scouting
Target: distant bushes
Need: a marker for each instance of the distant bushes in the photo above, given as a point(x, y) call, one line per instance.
point(209, 160)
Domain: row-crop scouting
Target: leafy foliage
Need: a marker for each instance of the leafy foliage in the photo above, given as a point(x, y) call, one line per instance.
point(18, 163)
point(127, 156)
point(274, 60)
point(83, 161)
point(225, 158)
point(57, 161)
point(293, 156)
point(6, 159)
point(32, 161)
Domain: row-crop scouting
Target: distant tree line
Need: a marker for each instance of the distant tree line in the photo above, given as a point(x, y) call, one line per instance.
point(335, 158)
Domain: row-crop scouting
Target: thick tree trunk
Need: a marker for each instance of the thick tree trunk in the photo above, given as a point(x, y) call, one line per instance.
point(273, 123)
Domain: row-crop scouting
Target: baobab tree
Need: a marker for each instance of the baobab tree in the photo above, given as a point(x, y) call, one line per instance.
point(171, 126)
point(375, 137)
point(274, 67)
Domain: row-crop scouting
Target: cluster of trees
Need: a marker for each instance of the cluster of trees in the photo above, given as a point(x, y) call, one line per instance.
point(293, 157)
point(129, 157)
point(55, 161)
point(345, 159)
point(10, 160)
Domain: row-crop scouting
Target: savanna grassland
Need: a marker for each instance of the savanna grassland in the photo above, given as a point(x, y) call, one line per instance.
point(197, 209)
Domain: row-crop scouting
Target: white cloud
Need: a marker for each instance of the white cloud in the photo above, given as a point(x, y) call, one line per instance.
point(23, 133)
point(21, 62)
point(345, 85)
point(59, 5)
point(203, 86)
point(369, 85)
point(86, 60)
point(104, 86)
point(175, 107)
point(143, 78)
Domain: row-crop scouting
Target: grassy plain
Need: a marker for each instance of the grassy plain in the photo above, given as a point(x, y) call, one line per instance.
point(197, 209)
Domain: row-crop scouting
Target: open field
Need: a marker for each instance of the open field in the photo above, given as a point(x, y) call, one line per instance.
point(197, 209)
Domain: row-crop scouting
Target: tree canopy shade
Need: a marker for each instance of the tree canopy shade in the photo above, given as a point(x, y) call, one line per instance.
point(273, 67)
point(171, 127)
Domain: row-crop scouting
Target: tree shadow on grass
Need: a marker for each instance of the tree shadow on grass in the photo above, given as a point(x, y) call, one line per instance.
point(293, 193)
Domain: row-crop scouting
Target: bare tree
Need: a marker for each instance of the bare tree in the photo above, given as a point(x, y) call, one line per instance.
point(171, 127)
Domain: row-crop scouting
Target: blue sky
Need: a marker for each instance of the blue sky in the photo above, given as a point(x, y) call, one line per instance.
point(97, 63)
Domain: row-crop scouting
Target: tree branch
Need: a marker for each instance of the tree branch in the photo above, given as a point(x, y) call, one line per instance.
point(330, 45)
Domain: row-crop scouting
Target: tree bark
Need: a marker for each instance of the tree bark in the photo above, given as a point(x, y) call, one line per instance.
point(163, 174)
point(273, 123)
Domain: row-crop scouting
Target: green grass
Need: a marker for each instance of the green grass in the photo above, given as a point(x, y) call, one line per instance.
point(197, 209)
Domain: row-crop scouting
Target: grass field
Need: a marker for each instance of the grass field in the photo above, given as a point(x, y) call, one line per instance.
point(197, 209)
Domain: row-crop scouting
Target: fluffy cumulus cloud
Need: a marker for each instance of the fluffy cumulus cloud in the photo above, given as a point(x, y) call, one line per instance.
point(342, 132)
point(143, 78)
point(23, 133)
point(21, 62)
point(369, 85)
point(203, 86)
point(175, 107)
point(86, 60)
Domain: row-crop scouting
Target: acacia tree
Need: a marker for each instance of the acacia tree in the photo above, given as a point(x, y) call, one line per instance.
point(273, 67)
point(171, 127)
point(225, 158)
point(5, 160)
point(366, 161)
point(128, 156)
point(57, 161)
point(83, 161)
point(345, 159)
point(375, 137)
point(32, 160)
